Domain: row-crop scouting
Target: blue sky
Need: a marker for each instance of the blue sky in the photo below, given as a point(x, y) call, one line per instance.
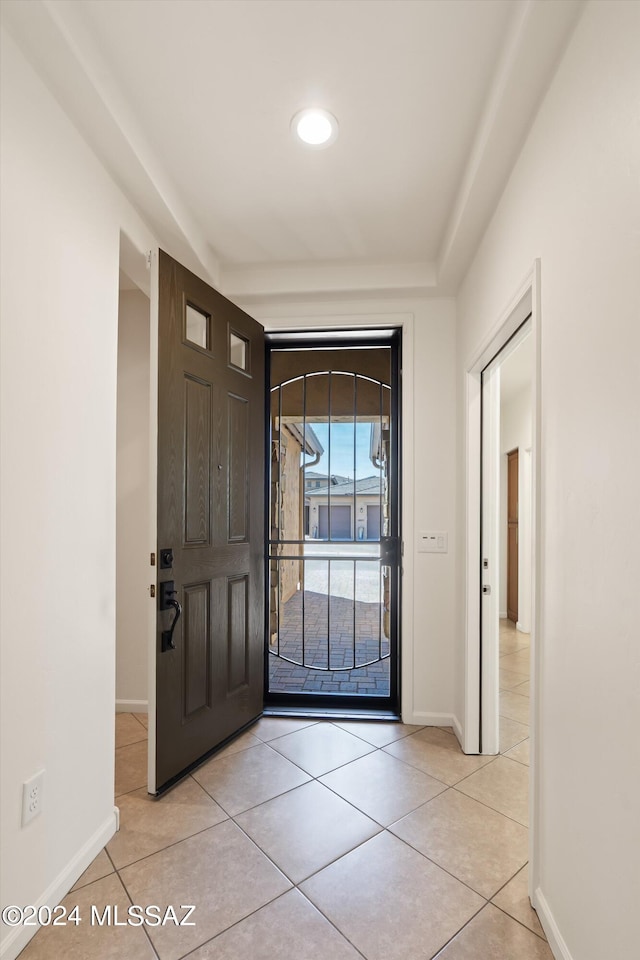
point(342, 449)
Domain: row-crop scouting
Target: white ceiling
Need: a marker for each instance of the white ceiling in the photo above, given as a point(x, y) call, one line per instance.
point(188, 103)
point(215, 86)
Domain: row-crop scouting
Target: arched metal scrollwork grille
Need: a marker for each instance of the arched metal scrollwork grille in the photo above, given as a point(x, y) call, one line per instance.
point(329, 512)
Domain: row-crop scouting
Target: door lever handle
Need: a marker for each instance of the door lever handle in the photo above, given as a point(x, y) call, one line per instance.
point(167, 635)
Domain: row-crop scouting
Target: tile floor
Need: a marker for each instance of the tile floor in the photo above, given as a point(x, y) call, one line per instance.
point(313, 840)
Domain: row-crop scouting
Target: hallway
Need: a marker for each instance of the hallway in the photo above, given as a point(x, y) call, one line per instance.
point(314, 840)
point(514, 692)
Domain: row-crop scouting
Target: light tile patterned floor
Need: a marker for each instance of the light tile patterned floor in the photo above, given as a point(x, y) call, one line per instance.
point(306, 841)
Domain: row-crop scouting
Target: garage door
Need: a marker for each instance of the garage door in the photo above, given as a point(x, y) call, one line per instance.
point(373, 522)
point(340, 523)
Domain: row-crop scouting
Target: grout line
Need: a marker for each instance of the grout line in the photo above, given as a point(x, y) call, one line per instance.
point(458, 932)
point(386, 826)
point(144, 926)
point(490, 759)
point(489, 807)
point(515, 920)
point(523, 696)
point(139, 721)
point(123, 746)
point(173, 843)
point(507, 882)
point(234, 924)
point(330, 921)
point(127, 793)
point(444, 869)
point(383, 829)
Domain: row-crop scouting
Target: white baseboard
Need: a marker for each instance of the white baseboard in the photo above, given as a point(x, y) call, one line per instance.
point(18, 938)
point(556, 941)
point(434, 720)
point(457, 726)
point(437, 720)
point(521, 628)
point(503, 614)
point(132, 706)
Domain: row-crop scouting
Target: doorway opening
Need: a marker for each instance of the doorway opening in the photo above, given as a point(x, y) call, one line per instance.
point(506, 484)
point(514, 548)
point(333, 538)
point(132, 522)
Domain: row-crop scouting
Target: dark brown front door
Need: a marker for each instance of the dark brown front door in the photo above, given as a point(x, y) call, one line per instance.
point(512, 536)
point(209, 671)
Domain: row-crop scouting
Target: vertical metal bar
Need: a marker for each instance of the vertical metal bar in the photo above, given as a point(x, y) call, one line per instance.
point(381, 474)
point(304, 474)
point(382, 526)
point(279, 492)
point(381, 611)
point(278, 605)
point(355, 563)
point(328, 614)
point(355, 446)
point(329, 461)
point(355, 501)
point(277, 510)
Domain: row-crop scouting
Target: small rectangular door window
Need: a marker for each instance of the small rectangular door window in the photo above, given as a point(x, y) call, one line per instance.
point(197, 327)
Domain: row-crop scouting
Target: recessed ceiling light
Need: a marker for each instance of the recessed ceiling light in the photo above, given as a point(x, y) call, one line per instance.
point(316, 128)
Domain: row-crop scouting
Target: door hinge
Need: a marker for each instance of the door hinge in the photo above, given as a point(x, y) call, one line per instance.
point(486, 590)
point(152, 590)
point(149, 260)
point(153, 559)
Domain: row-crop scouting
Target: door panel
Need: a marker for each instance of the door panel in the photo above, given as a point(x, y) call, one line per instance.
point(197, 647)
point(211, 515)
point(238, 413)
point(237, 601)
point(197, 448)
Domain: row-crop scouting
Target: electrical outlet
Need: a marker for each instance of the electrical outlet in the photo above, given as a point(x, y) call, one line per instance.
point(32, 795)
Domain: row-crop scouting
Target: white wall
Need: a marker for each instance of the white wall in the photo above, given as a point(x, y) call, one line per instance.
point(573, 200)
point(133, 573)
point(61, 221)
point(515, 433)
point(429, 481)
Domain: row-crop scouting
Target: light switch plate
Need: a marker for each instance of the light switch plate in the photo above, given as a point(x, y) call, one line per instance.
point(433, 541)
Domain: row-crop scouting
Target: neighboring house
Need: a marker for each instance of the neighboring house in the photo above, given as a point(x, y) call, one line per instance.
point(313, 480)
point(337, 503)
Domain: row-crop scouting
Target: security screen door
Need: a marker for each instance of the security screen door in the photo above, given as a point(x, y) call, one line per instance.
point(334, 527)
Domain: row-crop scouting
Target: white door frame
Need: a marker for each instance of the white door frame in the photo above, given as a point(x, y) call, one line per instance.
point(525, 301)
point(152, 640)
